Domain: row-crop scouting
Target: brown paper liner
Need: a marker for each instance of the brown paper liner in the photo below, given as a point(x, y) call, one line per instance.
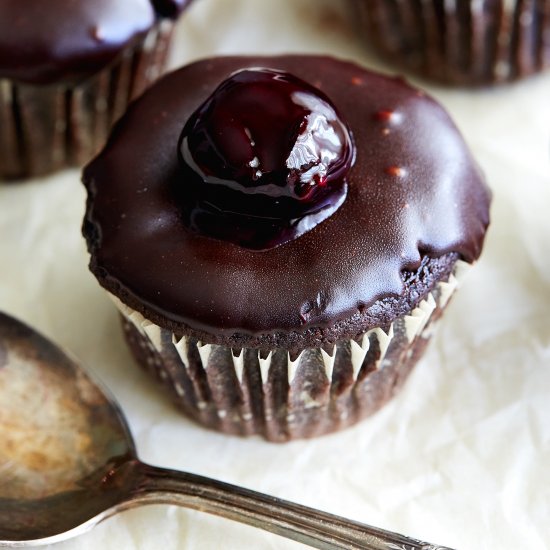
point(46, 128)
point(248, 391)
point(473, 42)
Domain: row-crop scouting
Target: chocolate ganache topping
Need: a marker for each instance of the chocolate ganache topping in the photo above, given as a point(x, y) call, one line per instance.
point(46, 41)
point(263, 160)
point(414, 195)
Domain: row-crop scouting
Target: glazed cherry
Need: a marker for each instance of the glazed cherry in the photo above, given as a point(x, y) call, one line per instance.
point(169, 8)
point(264, 159)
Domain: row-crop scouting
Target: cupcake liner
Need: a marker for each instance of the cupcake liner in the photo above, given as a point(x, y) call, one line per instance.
point(471, 42)
point(45, 128)
point(269, 392)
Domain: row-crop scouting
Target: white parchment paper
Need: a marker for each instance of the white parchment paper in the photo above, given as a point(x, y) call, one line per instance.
point(461, 457)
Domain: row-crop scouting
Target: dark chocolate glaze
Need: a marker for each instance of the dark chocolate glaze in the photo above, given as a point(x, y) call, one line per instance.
point(416, 202)
point(46, 41)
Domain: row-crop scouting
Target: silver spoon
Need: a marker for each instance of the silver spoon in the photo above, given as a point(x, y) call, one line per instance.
point(68, 461)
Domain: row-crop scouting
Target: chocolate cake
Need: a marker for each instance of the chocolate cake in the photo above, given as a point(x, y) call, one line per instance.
point(280, 235)
point(470, 42)
point(67, 72)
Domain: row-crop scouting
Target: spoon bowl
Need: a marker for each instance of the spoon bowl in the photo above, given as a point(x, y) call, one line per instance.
point(62, 440)
point(68, 461)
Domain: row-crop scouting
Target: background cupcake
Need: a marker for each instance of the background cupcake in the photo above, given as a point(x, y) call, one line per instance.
point(468, 42)
point(280, 251)
point(67, 72)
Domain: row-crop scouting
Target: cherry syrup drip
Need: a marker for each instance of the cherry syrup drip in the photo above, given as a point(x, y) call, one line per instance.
point(263, 160)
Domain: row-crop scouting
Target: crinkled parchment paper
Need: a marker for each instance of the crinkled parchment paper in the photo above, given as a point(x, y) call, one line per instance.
point(461, 457)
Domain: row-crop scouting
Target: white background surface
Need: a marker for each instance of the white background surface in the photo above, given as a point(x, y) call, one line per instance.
point(461, 457)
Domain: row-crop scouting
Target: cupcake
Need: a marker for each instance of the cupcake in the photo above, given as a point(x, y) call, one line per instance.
point(466, 42)
point(68, 71)
point(280, 236)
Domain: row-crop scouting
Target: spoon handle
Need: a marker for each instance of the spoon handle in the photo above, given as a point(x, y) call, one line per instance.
point(300, 523)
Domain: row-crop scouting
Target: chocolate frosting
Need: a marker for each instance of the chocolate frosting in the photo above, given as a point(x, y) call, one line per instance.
point(414, 193)
point(45, 41)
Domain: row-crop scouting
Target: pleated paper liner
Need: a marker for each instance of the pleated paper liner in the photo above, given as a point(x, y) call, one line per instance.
point(280, 397)
point(46, 128)
point(469, 42)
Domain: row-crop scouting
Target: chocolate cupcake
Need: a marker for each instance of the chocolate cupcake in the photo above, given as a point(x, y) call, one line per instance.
point(466, 42)
point(280, 235)
point(68, 71)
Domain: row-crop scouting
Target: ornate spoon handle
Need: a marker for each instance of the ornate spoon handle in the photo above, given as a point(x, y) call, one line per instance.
point(300, 523)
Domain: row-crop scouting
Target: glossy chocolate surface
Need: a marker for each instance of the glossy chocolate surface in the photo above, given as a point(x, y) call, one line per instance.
point(414, 191)
point(45, 41)
point(263, 160)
